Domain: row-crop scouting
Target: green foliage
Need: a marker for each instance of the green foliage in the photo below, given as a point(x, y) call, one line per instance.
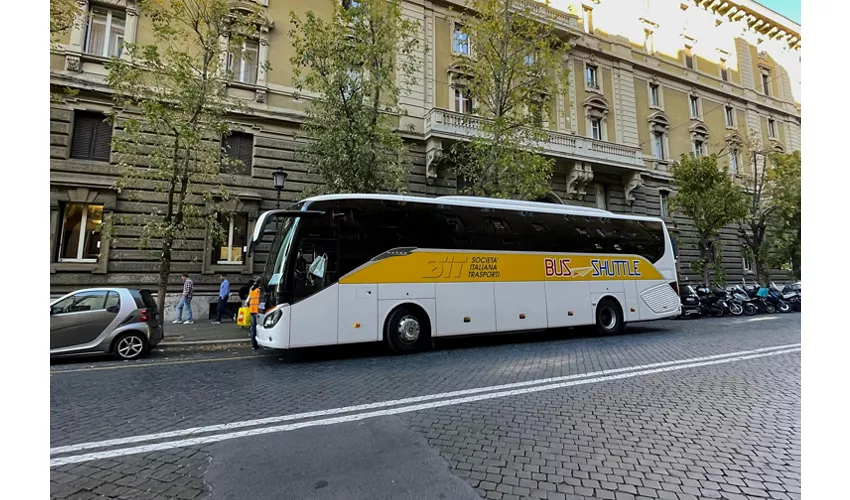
point(515, 66)
point(772, 219)
point(63, 15)
point(786, 177)
point(706, 194)
point(174, 93)
point(351, 63)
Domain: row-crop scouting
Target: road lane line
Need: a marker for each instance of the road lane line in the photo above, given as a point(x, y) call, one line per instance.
point(397, 402)
point(73, 459)
point(162, 363)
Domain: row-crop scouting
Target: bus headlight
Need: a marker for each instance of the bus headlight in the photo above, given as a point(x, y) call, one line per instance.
point(272, 318)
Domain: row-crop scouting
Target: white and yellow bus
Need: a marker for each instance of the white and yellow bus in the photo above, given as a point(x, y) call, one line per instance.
point(406, 270)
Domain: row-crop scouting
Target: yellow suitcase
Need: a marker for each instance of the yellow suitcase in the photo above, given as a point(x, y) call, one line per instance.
point(244, 317)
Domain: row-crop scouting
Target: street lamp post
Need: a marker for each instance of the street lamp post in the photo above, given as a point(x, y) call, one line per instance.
point(279, 178)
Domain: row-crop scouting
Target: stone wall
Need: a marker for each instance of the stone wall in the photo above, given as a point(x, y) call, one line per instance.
point(276, 144)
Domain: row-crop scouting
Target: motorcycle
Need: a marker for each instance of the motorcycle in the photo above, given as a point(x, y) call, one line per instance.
point(735, 304)
point(690, 302)
point(791, 293)
point(758, 297)
point(774, 295)
point(739, 294)
point(713, 302)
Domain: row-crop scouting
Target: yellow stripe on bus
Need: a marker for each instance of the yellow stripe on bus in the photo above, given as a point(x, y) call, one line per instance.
point(458, 267)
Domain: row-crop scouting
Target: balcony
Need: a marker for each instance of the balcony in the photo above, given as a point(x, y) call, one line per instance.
point(444, 124)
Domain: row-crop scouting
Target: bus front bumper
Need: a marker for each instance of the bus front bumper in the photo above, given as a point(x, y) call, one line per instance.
point(275, 336)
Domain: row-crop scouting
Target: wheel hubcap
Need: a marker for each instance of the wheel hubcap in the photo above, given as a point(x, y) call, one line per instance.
point(408, 329)
point(609, 318)
point(129, 347)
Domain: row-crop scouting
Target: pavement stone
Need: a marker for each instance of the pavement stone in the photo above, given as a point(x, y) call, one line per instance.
point(708, 432)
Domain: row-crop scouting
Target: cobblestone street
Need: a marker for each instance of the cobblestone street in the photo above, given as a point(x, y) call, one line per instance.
point(672, 409)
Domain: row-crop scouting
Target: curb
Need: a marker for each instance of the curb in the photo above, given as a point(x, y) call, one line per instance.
point(177, 343)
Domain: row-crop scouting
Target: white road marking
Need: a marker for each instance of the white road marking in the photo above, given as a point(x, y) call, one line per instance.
point(760, 318)
point(383, 404)
point(72, 459)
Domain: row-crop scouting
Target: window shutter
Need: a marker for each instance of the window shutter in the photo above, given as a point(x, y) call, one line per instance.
point(232, 143)
point(246, 152)
point(84, 129)
point(240, 146)
point(102, 141)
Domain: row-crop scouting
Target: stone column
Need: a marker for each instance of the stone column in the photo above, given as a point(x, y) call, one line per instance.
point(130, 26)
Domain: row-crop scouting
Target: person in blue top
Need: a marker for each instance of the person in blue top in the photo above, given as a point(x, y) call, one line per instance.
point(223, 295)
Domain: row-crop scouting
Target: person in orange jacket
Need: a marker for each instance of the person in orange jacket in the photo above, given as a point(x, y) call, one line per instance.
point(254, 308)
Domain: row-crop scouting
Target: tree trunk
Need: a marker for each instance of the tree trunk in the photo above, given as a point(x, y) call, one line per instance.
point(164, 272)
point(704, 258)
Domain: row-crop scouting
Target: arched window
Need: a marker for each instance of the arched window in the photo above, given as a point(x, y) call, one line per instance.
point(734, 144)
point(596, 117)
point(659, 129)
point(460, 99)
point(699, 139)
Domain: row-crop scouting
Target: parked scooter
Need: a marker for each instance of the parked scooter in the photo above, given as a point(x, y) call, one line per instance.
point(774, 296)
point(759, 299)
point(739, 294)
point(790, 294)
point(734, 304)
point(713, 302)
point(691, 306)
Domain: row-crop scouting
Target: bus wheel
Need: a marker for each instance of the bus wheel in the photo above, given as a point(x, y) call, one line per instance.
point(609, 317)
point(407, 330)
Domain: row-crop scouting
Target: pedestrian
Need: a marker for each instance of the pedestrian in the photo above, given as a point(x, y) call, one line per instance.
point(185, 301)
point(254, 308)
point(223, 295)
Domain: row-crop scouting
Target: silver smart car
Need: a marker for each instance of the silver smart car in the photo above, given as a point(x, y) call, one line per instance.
point(121, 321)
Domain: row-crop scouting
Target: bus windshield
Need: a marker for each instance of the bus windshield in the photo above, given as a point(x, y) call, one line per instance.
point(276, 263)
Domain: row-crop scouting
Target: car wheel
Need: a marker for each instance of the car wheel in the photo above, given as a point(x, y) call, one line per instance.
point(130, 345)
point(609, 317)
point(407, 330)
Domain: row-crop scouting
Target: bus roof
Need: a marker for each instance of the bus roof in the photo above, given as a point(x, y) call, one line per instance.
point(475, 201)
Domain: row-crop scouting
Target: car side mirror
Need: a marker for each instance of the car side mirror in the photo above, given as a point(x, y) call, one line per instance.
point(113, 309)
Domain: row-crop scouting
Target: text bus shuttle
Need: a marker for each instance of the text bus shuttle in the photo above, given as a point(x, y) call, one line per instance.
point(402, 269)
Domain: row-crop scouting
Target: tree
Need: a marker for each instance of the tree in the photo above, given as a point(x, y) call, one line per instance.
point(786, 177)
point(706, 195)
point(513, 66)
point(63, 16)
point(771, 209)
point(175, 91)
point(352, 63)
point(756, 224)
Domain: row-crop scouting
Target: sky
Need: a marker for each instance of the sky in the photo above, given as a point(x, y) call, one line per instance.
point(788, 8)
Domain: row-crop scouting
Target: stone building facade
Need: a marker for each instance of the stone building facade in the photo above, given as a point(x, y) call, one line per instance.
point(650, 80)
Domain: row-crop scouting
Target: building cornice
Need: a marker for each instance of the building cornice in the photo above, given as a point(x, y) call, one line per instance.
point(647, 70)
point(759, 18)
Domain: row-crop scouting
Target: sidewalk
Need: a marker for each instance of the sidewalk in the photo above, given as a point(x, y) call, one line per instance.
point(204, 332)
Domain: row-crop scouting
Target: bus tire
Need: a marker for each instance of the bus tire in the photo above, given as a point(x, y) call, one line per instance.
point(407, 329)
point(609, 317)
